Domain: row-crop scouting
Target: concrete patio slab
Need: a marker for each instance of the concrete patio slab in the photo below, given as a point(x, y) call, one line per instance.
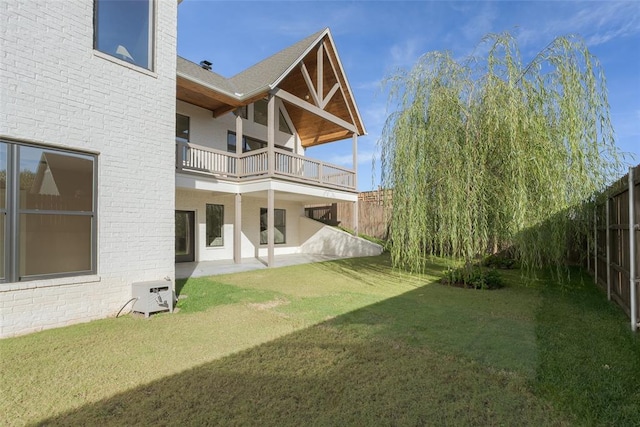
point(212, 268)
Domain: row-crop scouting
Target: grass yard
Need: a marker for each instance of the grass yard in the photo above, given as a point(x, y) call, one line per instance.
point(348, 342)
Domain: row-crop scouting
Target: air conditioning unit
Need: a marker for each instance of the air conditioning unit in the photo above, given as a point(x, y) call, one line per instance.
point(152, 297)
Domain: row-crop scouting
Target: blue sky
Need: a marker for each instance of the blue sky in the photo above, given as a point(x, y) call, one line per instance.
point(374, 38)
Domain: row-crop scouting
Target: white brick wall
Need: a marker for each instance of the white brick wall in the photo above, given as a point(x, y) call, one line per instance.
point(55, 90)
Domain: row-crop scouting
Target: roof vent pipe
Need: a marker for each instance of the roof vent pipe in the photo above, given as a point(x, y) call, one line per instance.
point(205, 64)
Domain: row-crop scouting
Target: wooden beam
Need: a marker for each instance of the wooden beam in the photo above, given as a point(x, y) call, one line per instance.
point(333, 90)
point(223, 110)
point(307, 79)
point(292, 99)
point(319, 69)
point(344, 95)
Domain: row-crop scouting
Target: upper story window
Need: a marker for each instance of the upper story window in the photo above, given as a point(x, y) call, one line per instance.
point(182, 128)
point(260, 111)
point(124, 30)
point(283, 125)
point(241, 111)
point(249, 143)
point(260, 116)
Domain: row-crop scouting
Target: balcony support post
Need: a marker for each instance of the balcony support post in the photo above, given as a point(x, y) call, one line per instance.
point(270, 227)
point(355, 181)
point(237, 230)
point(271, 134)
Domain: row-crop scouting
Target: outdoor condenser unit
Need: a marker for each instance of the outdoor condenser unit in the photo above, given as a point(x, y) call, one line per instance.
point(152, 296)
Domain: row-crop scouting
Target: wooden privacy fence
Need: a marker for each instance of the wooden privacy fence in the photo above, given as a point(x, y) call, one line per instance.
point(373, 213)
point(614, 259)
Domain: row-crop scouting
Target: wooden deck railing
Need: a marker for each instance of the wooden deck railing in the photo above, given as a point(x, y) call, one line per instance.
point(255, 164)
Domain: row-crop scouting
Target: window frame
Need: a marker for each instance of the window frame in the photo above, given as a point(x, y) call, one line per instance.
point(206, 215)
point(151, 44)
point(13, 213)
point(275, 225)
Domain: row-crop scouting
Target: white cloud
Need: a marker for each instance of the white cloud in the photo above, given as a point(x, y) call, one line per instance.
point(364, 158)
point(406, 52)
point(597, 22)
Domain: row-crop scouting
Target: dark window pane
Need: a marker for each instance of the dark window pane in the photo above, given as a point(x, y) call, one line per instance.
point(280, 222)
point(260, 112)
point(53, 180)
point(283, 126)
point(123, 30)
point(215, 223)
point(253, 144)
point(51, 244)
point(241, 111)
point(2, 242)
point(231, 142)
point(3, 175)
point(182, 127)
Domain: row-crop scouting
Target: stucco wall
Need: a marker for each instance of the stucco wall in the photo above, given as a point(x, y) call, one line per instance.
point(212, 132)
point(56, 91)
point(197, 200)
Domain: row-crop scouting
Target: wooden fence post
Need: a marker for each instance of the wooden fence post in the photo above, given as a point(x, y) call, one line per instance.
point(595, 242)
point(632, 252)
point(607, 218)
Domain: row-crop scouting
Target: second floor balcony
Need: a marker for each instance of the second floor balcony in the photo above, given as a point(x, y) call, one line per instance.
point(258, 164)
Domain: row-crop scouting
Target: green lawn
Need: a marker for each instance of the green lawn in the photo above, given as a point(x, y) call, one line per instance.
point(348, 342)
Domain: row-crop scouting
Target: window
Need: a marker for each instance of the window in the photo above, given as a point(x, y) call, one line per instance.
point(124, 30)
point(260, 116)
point(260, 111)
point(215, 224)
point(182, 128)
point(249, 144)
point(280, 223)
point(241, 111)
point(283, 125)
point(48, 212)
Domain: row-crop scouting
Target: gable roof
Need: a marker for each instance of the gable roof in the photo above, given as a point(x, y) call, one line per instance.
point(210, 90)
point(269, 71)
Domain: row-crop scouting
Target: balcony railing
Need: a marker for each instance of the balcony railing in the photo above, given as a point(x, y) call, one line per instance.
point(255, 164)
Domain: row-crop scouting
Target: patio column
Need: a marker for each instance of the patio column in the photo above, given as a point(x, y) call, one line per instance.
point(355, 181)
point(237, 231)
point(270, 227)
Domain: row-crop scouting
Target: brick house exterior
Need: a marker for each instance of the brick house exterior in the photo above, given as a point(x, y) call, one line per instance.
point(58, 92)
point(119, 159)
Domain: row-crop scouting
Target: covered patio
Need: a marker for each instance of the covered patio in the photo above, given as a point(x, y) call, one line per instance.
point(185, 270)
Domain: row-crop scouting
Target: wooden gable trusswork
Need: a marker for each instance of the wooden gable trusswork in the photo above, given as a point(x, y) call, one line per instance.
point(308, 77)
point(323, 110)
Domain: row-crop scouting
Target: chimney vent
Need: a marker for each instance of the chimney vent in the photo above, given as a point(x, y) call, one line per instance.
point(205, 64)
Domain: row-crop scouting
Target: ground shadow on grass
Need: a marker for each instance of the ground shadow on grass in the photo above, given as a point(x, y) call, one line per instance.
point(370, 270)
point(319, 378)
point(589, 361)
point(434, 355)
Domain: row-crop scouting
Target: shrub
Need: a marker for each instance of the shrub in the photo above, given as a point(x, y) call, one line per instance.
point(476, 278)
point(500, 261)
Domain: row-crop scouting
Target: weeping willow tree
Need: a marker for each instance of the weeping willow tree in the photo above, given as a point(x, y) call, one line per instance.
point(490, 152)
